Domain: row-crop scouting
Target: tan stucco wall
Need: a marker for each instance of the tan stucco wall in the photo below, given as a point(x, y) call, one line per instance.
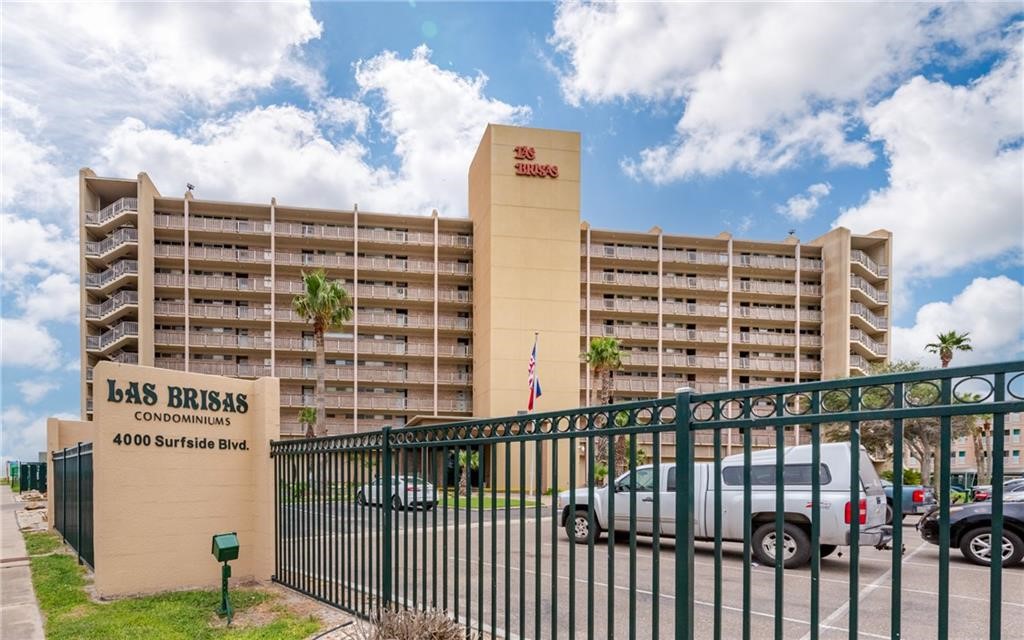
point(156, 508)
point(526, 274)
point(835, 303)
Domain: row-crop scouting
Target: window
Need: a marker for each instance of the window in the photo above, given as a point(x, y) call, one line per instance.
point(794, 474)
point(644, 480)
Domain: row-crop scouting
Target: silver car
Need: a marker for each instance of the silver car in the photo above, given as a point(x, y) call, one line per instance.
point(406, 491)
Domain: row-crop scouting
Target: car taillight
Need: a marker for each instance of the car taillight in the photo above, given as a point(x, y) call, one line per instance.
point(410, 487)
point(863, 509)
point(918, 495)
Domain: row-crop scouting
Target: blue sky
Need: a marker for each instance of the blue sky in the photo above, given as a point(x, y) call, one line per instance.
point(753, 119)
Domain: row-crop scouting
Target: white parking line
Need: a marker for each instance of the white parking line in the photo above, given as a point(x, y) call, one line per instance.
point(842, 609)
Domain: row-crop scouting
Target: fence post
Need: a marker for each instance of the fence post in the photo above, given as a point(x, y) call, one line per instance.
point(78, 500)
point(64, 493)
point(386, 508)
point(684, 517)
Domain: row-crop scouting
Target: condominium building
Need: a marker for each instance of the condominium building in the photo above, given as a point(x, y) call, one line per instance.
point(963, 456)
point(447, 307)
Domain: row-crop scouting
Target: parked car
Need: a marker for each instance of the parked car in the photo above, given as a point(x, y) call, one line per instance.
point(970, 528)
point(835, 509)
point(983, 492)
point(406, 491)
point(917, 499)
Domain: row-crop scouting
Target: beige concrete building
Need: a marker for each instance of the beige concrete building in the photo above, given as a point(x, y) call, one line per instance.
point(446, 308)
point(963, 460)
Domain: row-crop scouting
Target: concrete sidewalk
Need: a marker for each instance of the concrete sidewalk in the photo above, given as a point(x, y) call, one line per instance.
point(19, 609)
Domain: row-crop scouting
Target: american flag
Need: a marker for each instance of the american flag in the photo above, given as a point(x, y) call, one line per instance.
point(533, 378)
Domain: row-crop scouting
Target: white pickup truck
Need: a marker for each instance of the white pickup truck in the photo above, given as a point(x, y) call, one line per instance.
point(835, 508)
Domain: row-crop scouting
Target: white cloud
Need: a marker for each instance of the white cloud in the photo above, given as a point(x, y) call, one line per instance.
point(990, 309)
point(802, 206)
point(31, 179)
point(24, 343)
point(434, 117)
point(955, 194)
point(54, 298)
point(762, 84)
point(85, 66)
point(24, 435)
point(33, 249)
point(34, 390)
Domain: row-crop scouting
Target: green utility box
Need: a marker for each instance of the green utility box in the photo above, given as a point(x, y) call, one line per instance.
point(225, 547)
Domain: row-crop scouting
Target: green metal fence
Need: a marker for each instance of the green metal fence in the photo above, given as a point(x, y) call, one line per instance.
point(32, 477)
point(73, 499)
point(375, 520)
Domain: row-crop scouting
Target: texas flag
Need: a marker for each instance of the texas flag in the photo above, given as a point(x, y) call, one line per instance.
point(533, 378)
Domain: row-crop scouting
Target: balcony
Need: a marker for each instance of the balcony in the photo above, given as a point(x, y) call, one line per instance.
point(396, 236)
point(107, 340)
point(381, 375)
point(313, 231)
point(872, 345)
point(212, 339)
point(418, 294)
point(627, 305)
point(119, 240)
point(875, 321)
point(810, 315)
point(765, 262)
point(213, 254)
point(621, 253)
point(813, 290)
point(685, 256)
point(765, 364)
point(810, 366)
point(860, 364)
point(100, 281)
point(764, 338)
point(765, 313)
point(212, 311)
point(213, 225)
point(216, 367)
point(811, 264)
point(94, 219)
point(860, 284)
point(119, 302)
point(375, 347)
point(860, 258)
point(124, 357)
point(810, 341)
point(761, 286)
point(377, 402)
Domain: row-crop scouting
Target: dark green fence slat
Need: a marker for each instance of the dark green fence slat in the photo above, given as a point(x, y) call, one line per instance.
point(995, 605)
point(945, 440)
point(896, 592)
point(684, 518)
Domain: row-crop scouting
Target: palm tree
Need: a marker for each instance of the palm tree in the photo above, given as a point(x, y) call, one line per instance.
point(604, 357)
point(948, 343)
point(307, 416)
point(327, 305)
point(467, 460)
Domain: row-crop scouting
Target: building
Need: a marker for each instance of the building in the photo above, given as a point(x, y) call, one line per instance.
point(963, 463)
point(446, 308)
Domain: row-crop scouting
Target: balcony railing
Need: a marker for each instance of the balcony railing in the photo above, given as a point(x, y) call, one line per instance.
point(810, 341)
point(104, 340)
point(765, 262)
point(119, 300)
point(811, 366)
point(874, 346)
point(214, 225)
point(761, 286)
point(379, 402)
point(763, 338)
point(765, 313)
point(810, 315)
point(650, 359)
point(810, 264)
point(111, 211)
point(651, 307)
point(876, 321)
point(215, 367)
point(385, 375)
point(872, 292)
point(118, 238)
point(115, 271)
point(125, 357)
point(765, 364)
point(695, 257)
point(858, 362)
point(810, 289)
point(376, 347)
point(862, 259)
point(218, 254)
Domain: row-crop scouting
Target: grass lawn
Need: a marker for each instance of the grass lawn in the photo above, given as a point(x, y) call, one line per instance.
point(38, 543)
point(186, 615)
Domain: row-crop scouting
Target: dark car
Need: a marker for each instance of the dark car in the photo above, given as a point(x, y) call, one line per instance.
point(970, 528)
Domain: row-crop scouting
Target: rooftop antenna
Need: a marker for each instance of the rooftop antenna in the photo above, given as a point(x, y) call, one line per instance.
point(792, 232)
point(190, 186)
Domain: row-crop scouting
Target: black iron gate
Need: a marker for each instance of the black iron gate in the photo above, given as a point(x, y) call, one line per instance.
point(72, 503)
point(376, 520)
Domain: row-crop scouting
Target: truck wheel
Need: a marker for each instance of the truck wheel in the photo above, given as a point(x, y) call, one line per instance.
point(796, 545)
point(580, 527)
point(976, 546)
point(825, 550)
point(888, 513)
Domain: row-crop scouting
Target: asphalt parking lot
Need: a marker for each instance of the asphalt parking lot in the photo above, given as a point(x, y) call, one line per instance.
point(536, 610)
